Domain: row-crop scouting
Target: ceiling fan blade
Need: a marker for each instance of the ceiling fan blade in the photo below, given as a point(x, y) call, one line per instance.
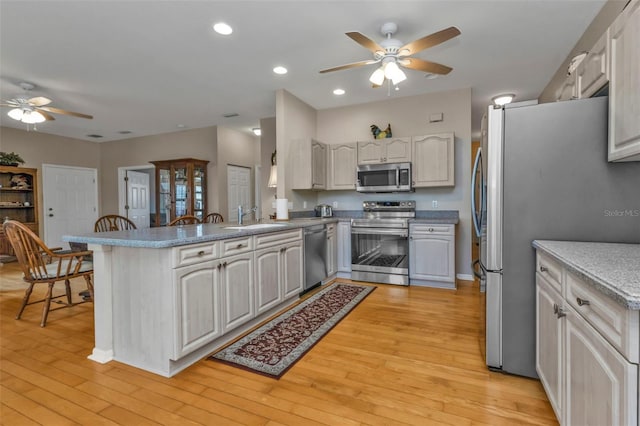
point(62, 111)
point(365, 41)
point(47, 116)
point(426, 66)
point(428, 41)
point(347, 66)
point(39, 101)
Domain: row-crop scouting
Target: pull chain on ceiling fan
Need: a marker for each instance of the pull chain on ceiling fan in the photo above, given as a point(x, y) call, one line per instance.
point(392, 54)
point(33, 110)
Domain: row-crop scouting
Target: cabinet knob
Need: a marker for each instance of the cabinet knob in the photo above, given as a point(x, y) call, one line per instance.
point(582, 302)
point(219, 266)
point(558, 311)
point(224, 264)
point(430, 229)
point(239, 246)
point(201, 253)
point(543, 268)
point(50, 214)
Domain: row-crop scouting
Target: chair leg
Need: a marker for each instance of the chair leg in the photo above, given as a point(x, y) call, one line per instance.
point(89, 286)
point(25, 300)
point(67, 286)
point(47, 305)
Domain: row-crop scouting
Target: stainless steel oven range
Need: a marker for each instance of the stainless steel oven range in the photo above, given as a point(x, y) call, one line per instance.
point(380, 242)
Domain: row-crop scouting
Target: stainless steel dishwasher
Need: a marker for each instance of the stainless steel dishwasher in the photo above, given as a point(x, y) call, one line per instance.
point(315, 255)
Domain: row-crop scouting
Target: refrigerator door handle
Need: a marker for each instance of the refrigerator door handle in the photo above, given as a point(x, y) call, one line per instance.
point(477, 221)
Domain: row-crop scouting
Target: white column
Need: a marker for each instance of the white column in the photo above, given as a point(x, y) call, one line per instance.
point(102, 304)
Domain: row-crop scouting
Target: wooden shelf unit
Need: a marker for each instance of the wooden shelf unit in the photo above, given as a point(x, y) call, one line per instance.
point(18, 202)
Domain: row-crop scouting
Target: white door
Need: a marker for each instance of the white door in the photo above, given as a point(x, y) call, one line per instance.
point(238, 190)
point(137, 202)
point(70, 199)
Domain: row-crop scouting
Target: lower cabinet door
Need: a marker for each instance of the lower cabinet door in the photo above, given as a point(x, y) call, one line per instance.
point(344, 247)
point(601, 385)
point(236, 280)
point(549, 343)
point(268, 278)
point(431, 258)
point(197, 307)
point(292, 270)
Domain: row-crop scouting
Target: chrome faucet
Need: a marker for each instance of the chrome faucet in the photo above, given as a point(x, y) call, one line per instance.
point(242, 214)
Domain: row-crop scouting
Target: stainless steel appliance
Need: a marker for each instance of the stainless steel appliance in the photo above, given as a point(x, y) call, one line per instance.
point(390, 177)
point(324, 210)
point(546, 176)
point(315, 256)
point(380, 242)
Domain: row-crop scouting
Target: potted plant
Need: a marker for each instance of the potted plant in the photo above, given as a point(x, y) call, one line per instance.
point(10, 159)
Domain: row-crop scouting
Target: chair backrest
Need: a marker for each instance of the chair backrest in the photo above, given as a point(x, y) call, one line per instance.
point(213, 218)
point(31, 252)
point(113, 222)
point(184, 220)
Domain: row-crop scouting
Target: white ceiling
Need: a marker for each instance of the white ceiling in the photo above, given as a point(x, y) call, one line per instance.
point(149, 66)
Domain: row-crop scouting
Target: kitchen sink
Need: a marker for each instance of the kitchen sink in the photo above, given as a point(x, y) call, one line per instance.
point(257, 226)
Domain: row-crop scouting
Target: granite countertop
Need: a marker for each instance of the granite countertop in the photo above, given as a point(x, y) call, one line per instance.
point(172, 236)
point(612, 268)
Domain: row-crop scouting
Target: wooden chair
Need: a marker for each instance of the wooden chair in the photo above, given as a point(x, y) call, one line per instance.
point(213, 218)
point(41, 265)
point(113, 222)
point(184, 220)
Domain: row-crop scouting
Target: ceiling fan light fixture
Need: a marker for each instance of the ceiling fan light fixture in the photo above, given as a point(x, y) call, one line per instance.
point(377, 77)
point(393, 72)
point(399, 77)
point(503, 99)
point(222, 28)
point(32, 117)
point(16, 114)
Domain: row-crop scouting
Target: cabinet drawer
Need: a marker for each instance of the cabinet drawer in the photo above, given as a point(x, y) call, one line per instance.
point(550, 270)
point(196, 253)
point(271, 239)
point(431, 229)
point(236, 246)
point(616, 323)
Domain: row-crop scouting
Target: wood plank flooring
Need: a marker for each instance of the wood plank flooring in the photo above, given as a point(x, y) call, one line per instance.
point(405, 355)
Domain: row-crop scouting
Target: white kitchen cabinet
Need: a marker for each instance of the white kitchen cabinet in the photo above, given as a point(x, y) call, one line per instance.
point(593, 72)
point(307, 164)
point(237, 290)
point(587, 349)
point(344, 249)
point(197, 316)
point(279, 274)
point(432, 255)
point(388, 150)
point(341, 166)
point(332, 250)
point(549, 335)
point(624, 86)
point(433, 160)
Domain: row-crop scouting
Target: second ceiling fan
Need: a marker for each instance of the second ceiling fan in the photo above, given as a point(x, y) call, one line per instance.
point(393, 54)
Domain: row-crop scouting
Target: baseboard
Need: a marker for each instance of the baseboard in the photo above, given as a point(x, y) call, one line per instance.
point(465, 277)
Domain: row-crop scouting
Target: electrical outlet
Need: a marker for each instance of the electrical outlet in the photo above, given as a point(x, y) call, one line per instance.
point(304, 204)
point(434, 204)
point(335, 204)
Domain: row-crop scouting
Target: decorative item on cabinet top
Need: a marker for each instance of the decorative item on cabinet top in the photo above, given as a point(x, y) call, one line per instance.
point(381, 134)
point(10, 159)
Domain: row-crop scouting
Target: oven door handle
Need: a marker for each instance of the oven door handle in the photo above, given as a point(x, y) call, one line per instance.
point(380, 231)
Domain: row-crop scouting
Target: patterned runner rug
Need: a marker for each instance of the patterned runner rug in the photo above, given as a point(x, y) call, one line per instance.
point(274, 347)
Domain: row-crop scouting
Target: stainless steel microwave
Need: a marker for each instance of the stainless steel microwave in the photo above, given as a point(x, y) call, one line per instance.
point(390, 177)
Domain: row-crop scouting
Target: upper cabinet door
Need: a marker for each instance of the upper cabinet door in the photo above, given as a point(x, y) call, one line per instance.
point(371, 152)
point(433, 160)
point(398, 150)
point(341, 169)
point(624, 89)
point(593, 71)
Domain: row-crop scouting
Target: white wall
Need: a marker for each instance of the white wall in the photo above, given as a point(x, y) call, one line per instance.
point(267, 146)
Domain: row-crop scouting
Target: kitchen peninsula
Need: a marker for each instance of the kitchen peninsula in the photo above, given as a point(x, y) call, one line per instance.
point(166, 297)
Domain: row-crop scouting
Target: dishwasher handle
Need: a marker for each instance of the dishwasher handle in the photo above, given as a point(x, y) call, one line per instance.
point(315, 230)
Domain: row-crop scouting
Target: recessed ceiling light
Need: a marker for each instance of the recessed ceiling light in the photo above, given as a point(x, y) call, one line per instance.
point(503, 99)
point(339, 92)
point(222, 28)
point(280, 70)
point(257, 131)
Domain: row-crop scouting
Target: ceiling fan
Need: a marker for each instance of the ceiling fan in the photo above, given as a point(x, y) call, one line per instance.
point(32, 110)
point(393, 54)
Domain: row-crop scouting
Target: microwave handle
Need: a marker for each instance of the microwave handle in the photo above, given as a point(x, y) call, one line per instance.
point(397, 176)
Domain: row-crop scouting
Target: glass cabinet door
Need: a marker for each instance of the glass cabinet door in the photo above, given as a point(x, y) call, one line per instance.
point(181, 191)
point(199, 174)
point(164, 199)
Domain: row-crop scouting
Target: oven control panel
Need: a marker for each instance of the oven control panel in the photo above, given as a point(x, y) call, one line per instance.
point(406, 205)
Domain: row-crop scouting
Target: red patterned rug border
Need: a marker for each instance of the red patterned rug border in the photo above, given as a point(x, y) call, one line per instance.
point(308, 342)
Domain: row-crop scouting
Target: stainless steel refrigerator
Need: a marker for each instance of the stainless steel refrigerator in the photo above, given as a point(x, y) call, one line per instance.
point(543, 174)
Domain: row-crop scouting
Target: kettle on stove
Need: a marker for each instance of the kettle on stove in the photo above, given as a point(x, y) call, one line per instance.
point(324, 210)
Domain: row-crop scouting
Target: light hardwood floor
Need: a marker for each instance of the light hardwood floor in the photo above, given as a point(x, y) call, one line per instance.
point(405, 355)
